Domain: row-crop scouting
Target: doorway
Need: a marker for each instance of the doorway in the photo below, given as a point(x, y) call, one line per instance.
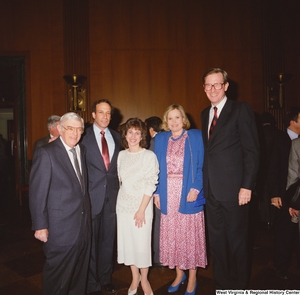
point(13, 120)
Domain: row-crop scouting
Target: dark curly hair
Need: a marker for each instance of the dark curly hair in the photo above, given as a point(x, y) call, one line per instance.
point(94, 105)
point(135, 123)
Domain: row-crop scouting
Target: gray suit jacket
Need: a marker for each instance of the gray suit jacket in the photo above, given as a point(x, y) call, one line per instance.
point(56, 200)
point(103, 185)
point(294, 163)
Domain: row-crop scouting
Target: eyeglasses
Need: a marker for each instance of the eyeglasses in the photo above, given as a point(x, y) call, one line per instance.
point(217, 86)
point(72, 129)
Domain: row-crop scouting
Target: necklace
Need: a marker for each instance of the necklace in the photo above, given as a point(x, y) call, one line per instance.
point(177, 138)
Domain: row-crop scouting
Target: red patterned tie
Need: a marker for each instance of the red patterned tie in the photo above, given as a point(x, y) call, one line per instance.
point(214, 121)
point(105, 153)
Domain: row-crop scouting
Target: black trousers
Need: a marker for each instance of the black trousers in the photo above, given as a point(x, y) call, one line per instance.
point(155, 235)
point(227, 225)
point(66, 268)
point(103, 249)
point(286, 237)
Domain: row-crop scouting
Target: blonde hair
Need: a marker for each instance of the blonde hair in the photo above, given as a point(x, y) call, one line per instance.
point(186, 122)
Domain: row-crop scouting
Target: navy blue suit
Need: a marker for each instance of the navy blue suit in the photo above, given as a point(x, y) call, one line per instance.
point(103, 191)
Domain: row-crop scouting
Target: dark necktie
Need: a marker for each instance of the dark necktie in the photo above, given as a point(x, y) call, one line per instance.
point(105, 152)
point(214, 121)
point(76, 164)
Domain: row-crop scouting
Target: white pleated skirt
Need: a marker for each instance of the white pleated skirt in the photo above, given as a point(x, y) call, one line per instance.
point(134, 244)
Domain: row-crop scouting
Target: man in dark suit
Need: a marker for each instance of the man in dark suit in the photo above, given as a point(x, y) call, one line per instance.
point(103, 190)
point(52, 123)
point(153, 125)
point(60, 209)
point(268, 131)
point(230, 165)
point(284, 229)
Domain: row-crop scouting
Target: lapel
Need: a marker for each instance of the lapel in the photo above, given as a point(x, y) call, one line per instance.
point(83, 166)
point(116, 150)
point(205, 124)
point(93, 146)
point(95, 151)
point(64, 159)
point(224, 116)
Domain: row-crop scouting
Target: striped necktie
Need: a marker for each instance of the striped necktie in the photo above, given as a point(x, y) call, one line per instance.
point(77, 169)
point(214, 121)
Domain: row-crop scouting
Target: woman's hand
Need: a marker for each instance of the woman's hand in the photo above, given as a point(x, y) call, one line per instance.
point(192, 195)
point(139, 218)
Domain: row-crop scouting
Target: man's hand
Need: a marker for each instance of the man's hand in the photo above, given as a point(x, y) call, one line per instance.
point(156, 201)
point(42, 235)
point(276, 201)
point(293, 212)
point(244, 196)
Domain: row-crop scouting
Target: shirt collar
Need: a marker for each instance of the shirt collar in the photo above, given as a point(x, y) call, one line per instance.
point(293, 135)
point(220, 105)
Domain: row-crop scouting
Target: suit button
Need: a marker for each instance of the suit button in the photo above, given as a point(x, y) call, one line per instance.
point(82, 212)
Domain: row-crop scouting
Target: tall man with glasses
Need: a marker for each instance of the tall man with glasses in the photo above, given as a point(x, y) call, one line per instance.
point(230, 165)
point(60, 209)
point(103, 145)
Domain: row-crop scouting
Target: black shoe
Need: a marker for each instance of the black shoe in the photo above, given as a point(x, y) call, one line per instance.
point(109, 288)
point(282, 275)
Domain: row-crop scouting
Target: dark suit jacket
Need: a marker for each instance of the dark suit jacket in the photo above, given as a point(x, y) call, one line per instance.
point(279, 162)
point(56, 200)
point(40, 142)
point(232, 153)
point(103, 184)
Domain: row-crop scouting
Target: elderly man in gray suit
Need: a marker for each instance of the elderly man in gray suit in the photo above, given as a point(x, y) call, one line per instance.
point(60, 209)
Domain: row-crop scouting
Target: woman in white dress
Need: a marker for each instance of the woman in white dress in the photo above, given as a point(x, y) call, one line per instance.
point(138, 173)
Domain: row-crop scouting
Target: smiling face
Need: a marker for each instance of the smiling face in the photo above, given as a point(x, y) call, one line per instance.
point(69, 137)
point(102, 115)
point(133, 138)
point(215, 96)
point(175, 122)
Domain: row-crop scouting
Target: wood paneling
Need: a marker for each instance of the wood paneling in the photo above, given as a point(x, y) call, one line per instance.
point(35, 27)
point(145, 55)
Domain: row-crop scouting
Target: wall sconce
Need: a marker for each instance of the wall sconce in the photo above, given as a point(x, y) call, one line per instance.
point(76, 94)
point(278, 98)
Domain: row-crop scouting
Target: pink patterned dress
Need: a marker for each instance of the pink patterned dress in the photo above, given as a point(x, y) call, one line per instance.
point(182, 236)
